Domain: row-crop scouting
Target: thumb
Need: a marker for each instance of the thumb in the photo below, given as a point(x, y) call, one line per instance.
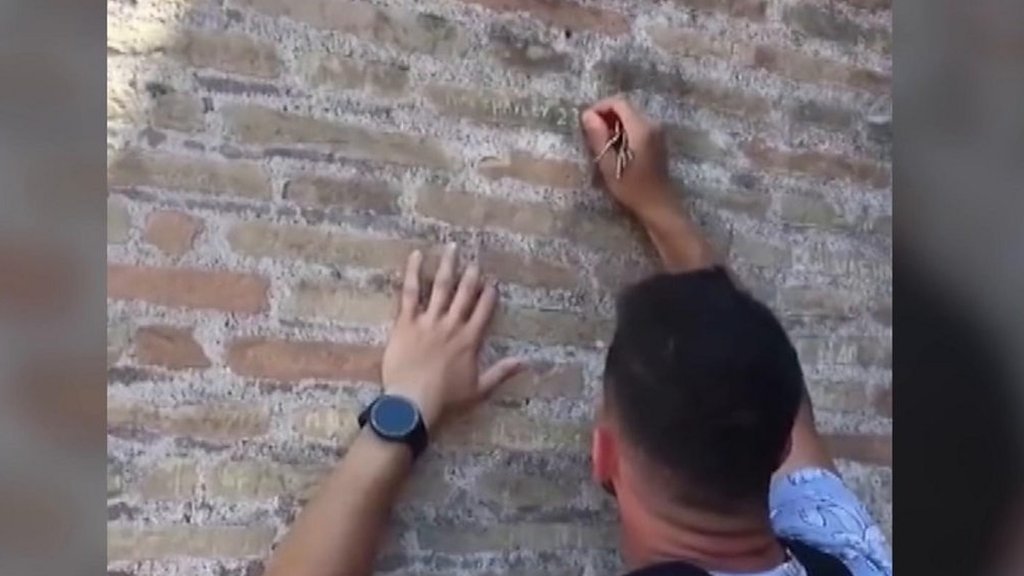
point(595, 130)
point(498, 373)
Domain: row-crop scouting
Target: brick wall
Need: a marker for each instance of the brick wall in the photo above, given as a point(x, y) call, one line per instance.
point(272, 161)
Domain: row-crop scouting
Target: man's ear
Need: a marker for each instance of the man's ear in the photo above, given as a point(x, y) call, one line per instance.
point(604, 455)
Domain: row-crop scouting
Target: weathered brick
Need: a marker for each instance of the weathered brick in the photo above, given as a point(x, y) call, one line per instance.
point(118, 336)
point(522, 166)
point(477, 211)
point(614, 275)
point(838, 396)
point(137, 543)
point(551, 326)
point(818, 301)
point(188, 287)
point(215, 422)
point(411, 31)
point(115, 479)
point(170, 347)
point(804, 68)
point(514, 490)
point(172, 232)
point(882, 226)
point(527, 270)
point(829, 24)
point(334, 71)
point(882, 312)
point(262, 480)
point(749, 9)
point(694, 143)
point(526, 53)
point(331, 248)
point(688, 44)
point(337, 424)
point(816, 164)
point(352, 194)
point(759, 252)
point(881, 400)
point(865, 448)
point(255, 125)
point(186, 174)
point(563, 14)
point(749, 202)
point(621, 75)
point(505, 537)
point(544, 380)
point(226, 52)
point(824, 115)
point(874, 353)
point(499, 108)
point(810, 211)
point(119, 222)
point(870, 4)
point(339, 302)
point(288, 360)
point(170, 480)
point(491, 427)
point(224, 85)
point(176, 111)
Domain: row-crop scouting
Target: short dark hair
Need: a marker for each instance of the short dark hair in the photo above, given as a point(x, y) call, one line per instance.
point(705, 383)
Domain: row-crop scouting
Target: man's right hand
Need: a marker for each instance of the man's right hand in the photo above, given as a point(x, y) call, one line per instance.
point(645, 187)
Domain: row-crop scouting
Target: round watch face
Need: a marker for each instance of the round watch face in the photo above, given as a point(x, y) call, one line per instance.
point(393, 417)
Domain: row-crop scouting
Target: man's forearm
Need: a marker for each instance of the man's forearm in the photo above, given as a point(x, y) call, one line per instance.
point(677, 238)
point(340, 529)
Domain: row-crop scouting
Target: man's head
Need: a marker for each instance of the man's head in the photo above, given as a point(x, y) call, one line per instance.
point(701, 390)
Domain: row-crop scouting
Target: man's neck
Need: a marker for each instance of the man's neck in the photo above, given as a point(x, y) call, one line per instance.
point(732, 543)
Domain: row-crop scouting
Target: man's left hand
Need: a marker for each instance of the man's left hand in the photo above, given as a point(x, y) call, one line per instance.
point(431, 355)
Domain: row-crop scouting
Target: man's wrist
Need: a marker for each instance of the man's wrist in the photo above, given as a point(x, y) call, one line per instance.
point(429, 407)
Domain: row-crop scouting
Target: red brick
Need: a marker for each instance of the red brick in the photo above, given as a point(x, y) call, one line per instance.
point(827, 23)
point(170, 347)
point(188, 288)
point(478, 211)
point(868, 449)
point(493, 427)
point(563, 14)
point(188, 174)
point(522, 166)
point(287, 360)
point(552, 326)
point(805, 68)
point(750, 9)
point(328, 247)
point(817, 164)
point(172, 232)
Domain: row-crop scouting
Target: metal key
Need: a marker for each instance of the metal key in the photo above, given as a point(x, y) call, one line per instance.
point(620, 143)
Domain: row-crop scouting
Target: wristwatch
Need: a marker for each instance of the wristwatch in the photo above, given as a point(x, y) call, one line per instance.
point(396, 419)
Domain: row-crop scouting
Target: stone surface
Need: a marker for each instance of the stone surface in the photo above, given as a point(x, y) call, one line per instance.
point(318, 142)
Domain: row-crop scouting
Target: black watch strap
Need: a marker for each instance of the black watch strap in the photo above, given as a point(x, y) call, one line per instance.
point(416, 439)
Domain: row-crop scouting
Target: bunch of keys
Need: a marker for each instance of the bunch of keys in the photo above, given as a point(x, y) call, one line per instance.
point(620, 143)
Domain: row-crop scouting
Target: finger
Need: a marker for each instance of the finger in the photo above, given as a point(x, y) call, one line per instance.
point(441, 295)
point(498, 373)
point(595, 130)
point(466, 295)
point(619, 106)
point(483, 310)
point(410, 299)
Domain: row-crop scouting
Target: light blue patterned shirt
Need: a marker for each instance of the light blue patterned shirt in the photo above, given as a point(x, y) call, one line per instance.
point(814, 506)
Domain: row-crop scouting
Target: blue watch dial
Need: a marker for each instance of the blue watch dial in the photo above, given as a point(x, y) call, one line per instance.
point(394, 417)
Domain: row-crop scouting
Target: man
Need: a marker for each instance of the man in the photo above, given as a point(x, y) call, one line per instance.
point(703, 402)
